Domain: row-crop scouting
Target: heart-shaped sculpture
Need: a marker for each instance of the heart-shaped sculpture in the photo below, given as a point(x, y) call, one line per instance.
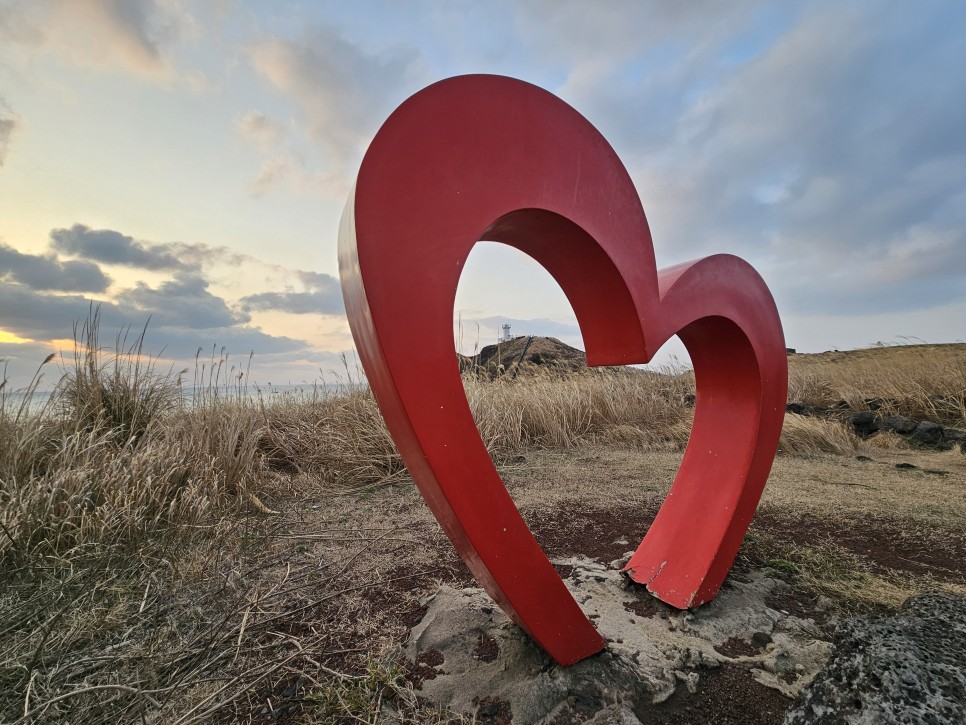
point(491, 158)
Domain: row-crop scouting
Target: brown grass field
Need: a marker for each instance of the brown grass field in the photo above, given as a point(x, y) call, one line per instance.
point(226, 558)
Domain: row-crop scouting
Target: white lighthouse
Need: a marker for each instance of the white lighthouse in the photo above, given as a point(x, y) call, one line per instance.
point(506, 332)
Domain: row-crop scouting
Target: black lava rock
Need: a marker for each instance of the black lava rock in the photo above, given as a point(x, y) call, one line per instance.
point(906, 668)
point(864, 423)
point(899, 424)
point(928, 433)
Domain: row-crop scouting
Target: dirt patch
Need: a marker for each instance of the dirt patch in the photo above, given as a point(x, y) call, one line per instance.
point(563, 570)
point(580, 707)
point(604, 534)
point(882, 544)
point(737, 647)
point(493, 712)
point(798, 603)
point(643, 607)
point(426, 667)
point(725, 696)
point(486, 650)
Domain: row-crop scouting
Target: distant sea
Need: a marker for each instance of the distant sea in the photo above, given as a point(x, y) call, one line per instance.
point(268, 394)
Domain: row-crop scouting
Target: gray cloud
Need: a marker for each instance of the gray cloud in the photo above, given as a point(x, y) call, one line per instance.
point(37, 316)
point(176, 312)
point(49, 273)
point(110, 247)
point(181, 344)
point(295, 302)
point(826, 150)
point(8, 126)
point(323, 295)
point(182, 302)
point(27, 356)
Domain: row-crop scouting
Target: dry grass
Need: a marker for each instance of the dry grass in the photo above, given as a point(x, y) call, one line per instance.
point(805, 436)
point(925, 382)
point(593, 406)
point(141, 580)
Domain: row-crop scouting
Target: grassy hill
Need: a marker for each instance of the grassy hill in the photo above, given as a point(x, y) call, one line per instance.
point(526, 355)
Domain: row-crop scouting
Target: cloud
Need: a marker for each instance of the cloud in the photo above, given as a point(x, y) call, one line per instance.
point(295, 302)
point(26, 357)
point(322, 296)
point(49, 273)
point(7, 128)
point(615, 31)
point(179, 344)
point(34, 315)
point(132, 36)
point(111, 247)
point(259, 128)
point(178, 314)
point(819, 141)
point(9, 124)
point(17, 25)
point(196, 81)
point(182, 302)
point(273, 171)
point(182, 313)
point(342, 91)
point(925, 253)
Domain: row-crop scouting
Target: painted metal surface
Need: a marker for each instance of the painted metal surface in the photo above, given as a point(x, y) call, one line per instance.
point(492, 158)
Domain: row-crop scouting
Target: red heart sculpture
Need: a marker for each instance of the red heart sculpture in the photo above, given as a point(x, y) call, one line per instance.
point(491, 158)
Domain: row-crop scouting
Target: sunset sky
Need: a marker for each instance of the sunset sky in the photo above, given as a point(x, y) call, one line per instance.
point(189, 161)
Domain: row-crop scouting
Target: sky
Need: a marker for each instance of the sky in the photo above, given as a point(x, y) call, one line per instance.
point(184, 164)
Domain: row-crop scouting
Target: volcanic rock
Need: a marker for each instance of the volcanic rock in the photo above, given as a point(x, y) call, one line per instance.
point(927, 433)
point(906, 668)
point(898, 424)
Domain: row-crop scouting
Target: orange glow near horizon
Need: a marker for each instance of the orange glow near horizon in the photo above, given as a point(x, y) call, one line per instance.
point(9, 337)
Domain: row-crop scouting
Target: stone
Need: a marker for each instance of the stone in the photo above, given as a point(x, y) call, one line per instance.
point(927, 433)
point(654, 652)
point(906, 668)
point(898, 424)
point(864, 423)
point(954, 435)
point(761, 639)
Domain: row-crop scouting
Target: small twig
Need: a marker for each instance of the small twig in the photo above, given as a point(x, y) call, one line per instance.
point(201, 716)
point(241, 631)
point(86, 690)
point(144, 599)
point(333, 595)
point(357, 554)
point(26, 697)
point(49, 624)
point(334, 673)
